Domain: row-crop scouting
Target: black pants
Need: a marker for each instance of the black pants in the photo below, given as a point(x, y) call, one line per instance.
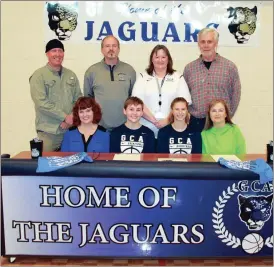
point(196, 124)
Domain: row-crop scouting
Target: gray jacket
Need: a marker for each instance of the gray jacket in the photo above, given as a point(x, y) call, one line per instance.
point(110, 86)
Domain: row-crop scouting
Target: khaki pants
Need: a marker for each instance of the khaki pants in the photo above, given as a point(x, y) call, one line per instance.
point(51, 142)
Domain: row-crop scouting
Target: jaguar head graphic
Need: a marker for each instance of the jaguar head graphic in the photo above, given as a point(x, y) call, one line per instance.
point(243, 23)
point(62, 19)
point(255, 210)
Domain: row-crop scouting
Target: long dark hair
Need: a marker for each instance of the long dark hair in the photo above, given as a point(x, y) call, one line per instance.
point(155, 50)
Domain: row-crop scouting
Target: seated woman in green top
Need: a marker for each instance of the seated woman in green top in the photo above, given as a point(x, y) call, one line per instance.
point(220, 136)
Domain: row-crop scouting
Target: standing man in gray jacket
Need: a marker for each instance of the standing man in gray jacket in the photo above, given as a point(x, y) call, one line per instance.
point(110, 82)
point(54, 90)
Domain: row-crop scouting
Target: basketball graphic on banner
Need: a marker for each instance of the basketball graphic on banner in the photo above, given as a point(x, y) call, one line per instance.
point(249, 204)
point(129, 147)
point(252, 243)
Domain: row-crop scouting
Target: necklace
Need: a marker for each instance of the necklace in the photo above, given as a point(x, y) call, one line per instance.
point(179, 129)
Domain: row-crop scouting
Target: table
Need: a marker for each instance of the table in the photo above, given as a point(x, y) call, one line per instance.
point(127, 209)
point(144, 157)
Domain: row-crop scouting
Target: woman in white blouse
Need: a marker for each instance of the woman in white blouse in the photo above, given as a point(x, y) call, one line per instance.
point(157, 87)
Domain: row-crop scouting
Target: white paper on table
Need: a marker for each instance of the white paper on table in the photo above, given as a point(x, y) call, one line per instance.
point(172, 159)
point(226, 157)
point(133, 157)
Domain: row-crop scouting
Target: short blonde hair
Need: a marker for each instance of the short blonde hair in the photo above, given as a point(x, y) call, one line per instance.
point(208, 30)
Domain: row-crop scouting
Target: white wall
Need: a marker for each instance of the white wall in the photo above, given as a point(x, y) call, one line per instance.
point(22, 50)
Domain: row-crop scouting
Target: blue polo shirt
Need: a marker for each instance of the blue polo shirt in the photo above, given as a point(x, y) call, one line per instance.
point(74, 141)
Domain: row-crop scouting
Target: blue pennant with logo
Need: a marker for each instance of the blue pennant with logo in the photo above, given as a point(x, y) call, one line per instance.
point(49, 164)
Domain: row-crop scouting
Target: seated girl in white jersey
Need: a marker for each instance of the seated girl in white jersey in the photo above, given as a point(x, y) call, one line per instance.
point(176, 137)
point(132, 137)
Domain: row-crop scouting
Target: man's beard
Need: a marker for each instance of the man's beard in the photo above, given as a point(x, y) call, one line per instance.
point(208, 54)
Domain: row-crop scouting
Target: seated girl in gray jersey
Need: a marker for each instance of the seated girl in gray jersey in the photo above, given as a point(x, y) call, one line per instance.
point(86, 135)
point(132, 137)
point(177, 138)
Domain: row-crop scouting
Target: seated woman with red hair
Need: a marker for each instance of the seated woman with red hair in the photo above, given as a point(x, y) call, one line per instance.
point(86, 135)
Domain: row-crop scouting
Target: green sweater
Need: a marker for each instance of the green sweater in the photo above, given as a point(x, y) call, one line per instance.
point(53, 97)
point(227, 140)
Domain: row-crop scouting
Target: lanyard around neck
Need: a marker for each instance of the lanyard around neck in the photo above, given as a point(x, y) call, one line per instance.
point(160, 89)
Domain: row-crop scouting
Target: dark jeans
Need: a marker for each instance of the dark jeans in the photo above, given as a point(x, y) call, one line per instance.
point(196, 124)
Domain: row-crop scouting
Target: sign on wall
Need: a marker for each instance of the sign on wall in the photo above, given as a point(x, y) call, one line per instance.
point(167, 22)
point(123, 217)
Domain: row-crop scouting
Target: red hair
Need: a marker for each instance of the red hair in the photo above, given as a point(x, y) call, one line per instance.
point(85, 102)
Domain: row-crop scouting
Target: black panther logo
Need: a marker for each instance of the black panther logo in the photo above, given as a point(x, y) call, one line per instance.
point(243, 23)
point(62, 19)
point(255, 210)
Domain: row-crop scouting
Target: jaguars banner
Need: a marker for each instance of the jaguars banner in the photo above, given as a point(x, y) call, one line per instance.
point(140, 217)
point(167, 22)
